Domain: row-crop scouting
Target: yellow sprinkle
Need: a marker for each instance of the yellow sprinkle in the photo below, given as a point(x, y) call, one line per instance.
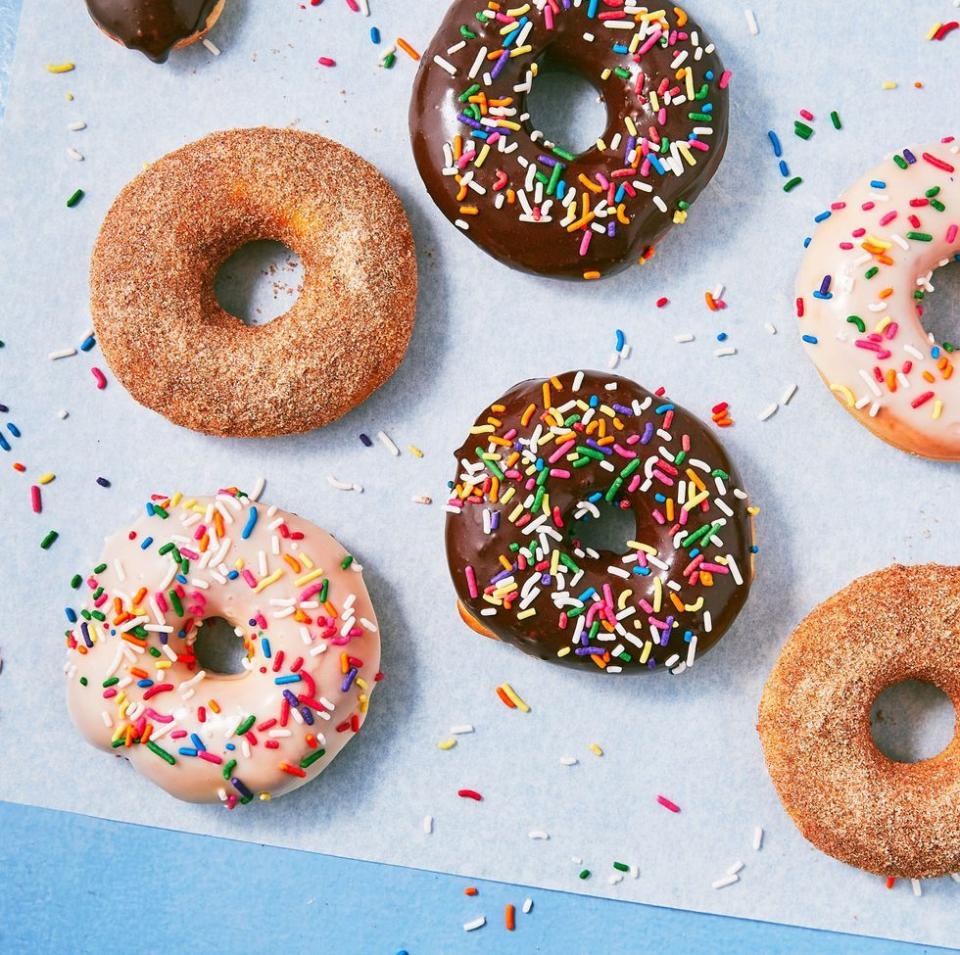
point(645, 652)
point(305, 560)
point(524, 614)
point(937, 408)
point(265, 582)
point(46, 478)
point(414, 450)
point(512, 694)
point(361, 682)
point(844, 392)
point(60, 67)
point(563, 651)
point(265, 797)
point(595, 749)
point(175, 500)
point(69, 97)
point(447, 743)
point(306, 578)
point(933, 30)
point(889, 85)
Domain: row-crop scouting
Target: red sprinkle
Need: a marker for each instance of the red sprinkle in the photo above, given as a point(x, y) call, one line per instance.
point(35, 502)
point(474, 795)
point(667, 804)
point(326, 61)
point(799, 308)
point(945, 29)
point(661, 302)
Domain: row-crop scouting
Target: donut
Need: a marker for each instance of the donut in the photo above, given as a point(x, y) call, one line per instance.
point(294, 597)
point(860, 296)
point(152, 275)
point(155, 27)
point(532, 203)
point(845, 796)
point(547, 464)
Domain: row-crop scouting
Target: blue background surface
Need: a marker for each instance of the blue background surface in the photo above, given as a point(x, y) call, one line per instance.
point(75, 884)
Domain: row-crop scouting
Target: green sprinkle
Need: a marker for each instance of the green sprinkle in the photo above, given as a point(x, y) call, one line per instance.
point(311, 758)
point(835, 119)
point(584, 873)
point(468, 92)
point(47, 542)
point(802, 130)
point(467, 33)
point(947, 346)
point(792, 184)
point(938, 205)
point(75, 581)
point(166, 548)
point(157, 509)
point(389, 60)
point(100, 568)
point(621, 867)
point(930, 193)
point(871, 272)
point(346, 562)
point(118, 742)
point(161, 752)
point(324, 588)
point(112, 681)
point(245, 726)
point(98, 615)
point(75, 198)
point(701, 117)
point(83, 681)
point(901, 162)
point(175, 600)
point(858, 321)
point(228, 768)
point(920, 236)
point(563, 154)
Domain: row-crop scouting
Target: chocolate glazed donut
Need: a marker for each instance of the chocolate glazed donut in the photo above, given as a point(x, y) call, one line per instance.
point(154, 27)
point(531, 203)
point(542, 463)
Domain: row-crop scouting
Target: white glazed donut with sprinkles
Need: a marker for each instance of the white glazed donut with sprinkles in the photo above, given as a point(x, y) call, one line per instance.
point(295, 598)
point(861, 292)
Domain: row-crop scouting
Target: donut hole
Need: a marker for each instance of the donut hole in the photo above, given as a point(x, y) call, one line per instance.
point(912, 721)
point(259, 282)
point(605, 534)
point(219, 648)
point(940, 308)
point(565, 106)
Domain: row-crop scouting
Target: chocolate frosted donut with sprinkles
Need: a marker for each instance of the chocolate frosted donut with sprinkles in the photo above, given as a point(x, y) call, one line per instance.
point(534, 204)
point(297, 603)
point(546, 467)
point(861, 292)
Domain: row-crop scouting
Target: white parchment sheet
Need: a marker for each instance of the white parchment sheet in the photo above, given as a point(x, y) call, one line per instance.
point(835, 501)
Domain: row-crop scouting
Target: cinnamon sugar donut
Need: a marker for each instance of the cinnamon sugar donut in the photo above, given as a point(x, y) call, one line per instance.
point(846, 797)
point(178, 352)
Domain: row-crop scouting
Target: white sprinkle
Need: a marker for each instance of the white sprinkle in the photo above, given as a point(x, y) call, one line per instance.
point(735, 868)
point(461, 728)
point(724, 352)
point(758, 838)
point(344, 485)
point(63, 415)
point(75, 154)
point(917, 890)
point(527, 906)
point(445, 65)
point(768, 412)
point(258, 488)
point(955, 876)
point(770, 327)
point(388, 443)
point(428, 824)
point(725, 881)
point(211, 47)
point(752, 24)
point(538, 834)
point(788, 393)
point(682, 339)
point(569, 760)
point(475, 924)
point(75, 127)
point(62, 353)
point(423, 499)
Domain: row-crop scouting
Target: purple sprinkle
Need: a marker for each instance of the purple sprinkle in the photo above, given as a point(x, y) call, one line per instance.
point(647, 433)
point(307, 715)
point(291, 699)
point(909, 156)
point(825, 285)
point(365, 440)
point(103, 482)
point(4, 409)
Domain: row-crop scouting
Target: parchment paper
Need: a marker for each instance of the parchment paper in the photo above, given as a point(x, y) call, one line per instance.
point(835, 501)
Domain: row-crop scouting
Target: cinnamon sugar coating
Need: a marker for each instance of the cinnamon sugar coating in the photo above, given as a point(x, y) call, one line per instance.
point(846, 797)
point(160, 247)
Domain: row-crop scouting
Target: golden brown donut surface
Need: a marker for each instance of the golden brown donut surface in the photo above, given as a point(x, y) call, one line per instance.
point(845, 796)
point(156, 314)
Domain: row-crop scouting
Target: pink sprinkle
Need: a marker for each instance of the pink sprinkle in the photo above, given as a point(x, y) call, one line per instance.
point(35, 499)
point(352, 4)
point(952, 234)
point(326, 60)
point(667, 804)
point(249, 578)
point(471, 583)
point(725, 78)
point(807, 115)
point(100, 377)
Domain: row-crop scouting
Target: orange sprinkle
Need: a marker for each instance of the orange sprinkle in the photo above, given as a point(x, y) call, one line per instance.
point(891, 881)
point(592, 275)
point(528, 414)
point(409, 50)
point(505, 699)
point(470, 890)
point(214, 705)
point(510, 917)
point(292, 563)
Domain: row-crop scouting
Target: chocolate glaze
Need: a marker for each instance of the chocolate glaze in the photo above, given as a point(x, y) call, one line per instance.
point(153, 27)
point(436, 113)
point(541, 634)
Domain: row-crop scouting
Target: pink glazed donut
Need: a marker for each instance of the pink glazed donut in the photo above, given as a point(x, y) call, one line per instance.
point(860, 295)
point(293, 595)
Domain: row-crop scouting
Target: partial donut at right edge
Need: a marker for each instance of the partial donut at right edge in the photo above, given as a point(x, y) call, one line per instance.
point(860, 299)
point(845, 796)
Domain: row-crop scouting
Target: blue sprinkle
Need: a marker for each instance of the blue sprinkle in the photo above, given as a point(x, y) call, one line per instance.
point(4, 443)
point(722, 337)
point(289, 678)
point(149, 509)
point(143, 684)
point(621, 340)
point(878, 184)
point(145, 543)
point(775, 142)
point(663, 409)
point(251, 523)
point(88, 343)
point(592, 8)
point(231, 746)
point(754, 549)
point(784, 169)
point(187, 751)
point(826, 296)
point(233, 575)
point(807, 241)
point(13, 429)
point(198, 742)
point(265, 643)
point(823, 216)
point(71, 614)
point(181, 579)
point(810, 339)
point(374, 35)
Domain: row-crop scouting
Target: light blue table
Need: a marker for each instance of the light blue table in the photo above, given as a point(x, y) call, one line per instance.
point(73, 884)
